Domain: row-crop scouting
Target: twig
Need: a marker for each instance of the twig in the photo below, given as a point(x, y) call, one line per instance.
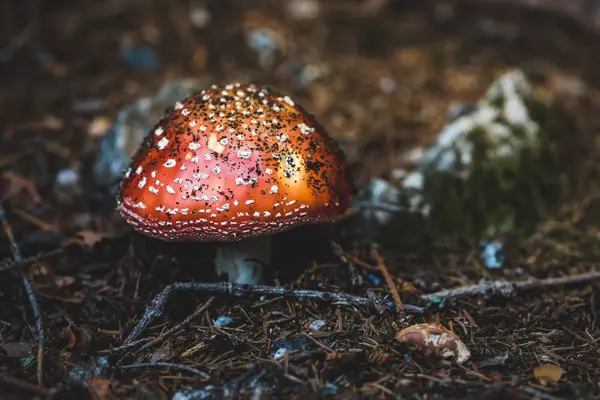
point(356, 279)
point(25, 262)
point(149, 342)
point(180, 367)
point(156, 309)
point(129, 346)
point(508, 288)
point(16, 252)
point(179, 326)
point(538, 394)
point(389, 280)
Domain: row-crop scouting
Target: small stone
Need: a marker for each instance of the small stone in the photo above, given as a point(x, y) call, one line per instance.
point(223, 321)
point(317, 324)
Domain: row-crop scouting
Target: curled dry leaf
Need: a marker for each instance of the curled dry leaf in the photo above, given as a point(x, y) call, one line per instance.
point(52, 286)
point(548, 373)
point(17, 349)
point(86, 238)
point(102, 389)
point(435, 339)
point(77, 337)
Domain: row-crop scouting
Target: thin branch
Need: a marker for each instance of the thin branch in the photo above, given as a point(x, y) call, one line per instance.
point(508, 288)
point(180, 367)
point(389, 280)
point(156, 309)
point(9, 264)
point(39, 328)
point(150, 342)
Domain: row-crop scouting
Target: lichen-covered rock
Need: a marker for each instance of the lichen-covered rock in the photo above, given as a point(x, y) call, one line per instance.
point(491, 169)
point(500, 125)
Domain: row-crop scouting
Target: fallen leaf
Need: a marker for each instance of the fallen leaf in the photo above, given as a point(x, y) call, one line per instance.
point(17, 349)
point(548, 373)
point(52, 286)
point(69, 335)
point(435, 339)
point(77, 337)
point(102, 388)
point(164, 353)
point(86, 238)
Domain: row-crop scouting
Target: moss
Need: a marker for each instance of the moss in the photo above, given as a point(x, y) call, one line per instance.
point(503, 193)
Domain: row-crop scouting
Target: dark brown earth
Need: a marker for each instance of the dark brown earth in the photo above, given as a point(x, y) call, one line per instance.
point(62, 72)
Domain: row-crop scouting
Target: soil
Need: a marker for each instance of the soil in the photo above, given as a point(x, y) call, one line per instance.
point(382, 82)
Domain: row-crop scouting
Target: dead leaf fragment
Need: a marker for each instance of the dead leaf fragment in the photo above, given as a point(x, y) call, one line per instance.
point(548, 373)
point(17, 349)
point(51, 286)
point(435, 339)
point(102, 388)
point(86, 238)
point(77, 337)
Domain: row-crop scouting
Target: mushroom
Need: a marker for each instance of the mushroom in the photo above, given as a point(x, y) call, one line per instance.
point(234, 164)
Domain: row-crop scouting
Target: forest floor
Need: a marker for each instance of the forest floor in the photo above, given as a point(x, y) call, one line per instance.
point(382, 82)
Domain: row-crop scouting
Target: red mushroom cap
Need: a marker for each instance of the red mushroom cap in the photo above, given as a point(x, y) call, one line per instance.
point(233, 162)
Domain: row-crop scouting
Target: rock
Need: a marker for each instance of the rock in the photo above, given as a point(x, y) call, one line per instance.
point(131, 126)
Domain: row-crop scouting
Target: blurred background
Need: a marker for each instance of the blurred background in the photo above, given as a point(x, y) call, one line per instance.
point(464, 122)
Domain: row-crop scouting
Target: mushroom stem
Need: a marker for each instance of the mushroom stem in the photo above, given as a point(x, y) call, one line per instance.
point(243, 261)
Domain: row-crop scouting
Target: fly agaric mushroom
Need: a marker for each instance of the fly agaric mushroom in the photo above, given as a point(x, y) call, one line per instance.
point(234, 164)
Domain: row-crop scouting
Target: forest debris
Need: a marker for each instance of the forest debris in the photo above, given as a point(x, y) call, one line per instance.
point(30, 293)
point(293, 343)
point(489, 288)
point(244, 290)
point(174, 366)
point(15, 187)
point(223, 320)
point(163, 353)
point(389, 281)
point(102, 388)
point(435, 339)
point(52, 286)
point(17, 349)
point(77, 337)
point(69, 335)
point(548, 373)
point(316, 325)
point(95, 367)
point(86, 238)
point(255, 380)
point(493, 361)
